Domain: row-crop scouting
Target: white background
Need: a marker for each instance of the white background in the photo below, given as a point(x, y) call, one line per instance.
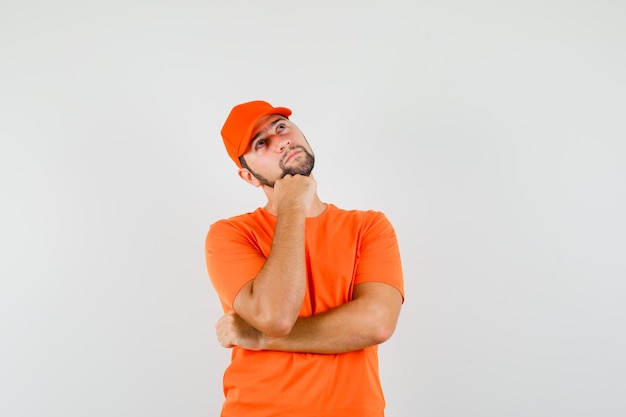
point(491, 133)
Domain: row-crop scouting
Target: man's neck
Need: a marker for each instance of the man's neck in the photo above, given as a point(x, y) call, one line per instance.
point(316, 208)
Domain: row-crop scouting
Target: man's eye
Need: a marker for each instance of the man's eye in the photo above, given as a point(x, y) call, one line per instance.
point(259, 143)
point(280, 127)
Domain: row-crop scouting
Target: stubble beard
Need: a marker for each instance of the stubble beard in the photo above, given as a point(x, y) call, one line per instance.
point(305, 167)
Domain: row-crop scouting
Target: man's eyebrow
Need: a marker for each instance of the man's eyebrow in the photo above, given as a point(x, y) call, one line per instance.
point(274, 123)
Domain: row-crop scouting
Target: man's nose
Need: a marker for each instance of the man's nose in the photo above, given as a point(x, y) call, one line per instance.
point(282, 143)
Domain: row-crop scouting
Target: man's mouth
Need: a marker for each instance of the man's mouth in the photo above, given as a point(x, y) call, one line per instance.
point(292, 155)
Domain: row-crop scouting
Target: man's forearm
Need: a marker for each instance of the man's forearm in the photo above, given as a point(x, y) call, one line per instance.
point(368, 320)
point(271, 302)
point(334, 331)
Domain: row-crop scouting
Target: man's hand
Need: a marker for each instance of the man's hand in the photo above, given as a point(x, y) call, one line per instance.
point(232, 330)
point(294, 191)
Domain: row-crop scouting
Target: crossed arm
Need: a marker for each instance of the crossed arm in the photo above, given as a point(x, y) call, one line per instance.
point(369, 319)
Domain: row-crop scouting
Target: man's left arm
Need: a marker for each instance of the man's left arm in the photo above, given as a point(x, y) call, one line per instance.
point(368, 319)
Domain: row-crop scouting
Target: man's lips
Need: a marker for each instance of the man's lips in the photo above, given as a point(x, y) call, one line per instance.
point(292, 155)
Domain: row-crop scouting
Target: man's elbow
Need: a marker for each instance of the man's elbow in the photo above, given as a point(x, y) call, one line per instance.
point(274, 326)
point(382, 332)
point(270, 318)
point(383, 324)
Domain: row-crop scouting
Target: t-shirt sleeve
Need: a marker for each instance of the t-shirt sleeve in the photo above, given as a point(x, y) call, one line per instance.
point(232, 258)
point(379, 255)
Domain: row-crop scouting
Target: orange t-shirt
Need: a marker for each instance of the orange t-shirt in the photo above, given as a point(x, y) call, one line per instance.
point(343, 248)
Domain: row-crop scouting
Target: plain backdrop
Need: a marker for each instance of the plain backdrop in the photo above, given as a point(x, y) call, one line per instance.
point(491, 133)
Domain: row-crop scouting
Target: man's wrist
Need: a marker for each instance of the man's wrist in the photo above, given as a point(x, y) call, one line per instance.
point(267, 342)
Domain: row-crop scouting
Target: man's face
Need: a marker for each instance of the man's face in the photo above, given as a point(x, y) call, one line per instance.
point(278, 148)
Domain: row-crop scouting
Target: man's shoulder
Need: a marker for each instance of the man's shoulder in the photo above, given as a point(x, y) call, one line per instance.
point(355, 213)
point(243, 217)
point(245, 220)
point(357, 217)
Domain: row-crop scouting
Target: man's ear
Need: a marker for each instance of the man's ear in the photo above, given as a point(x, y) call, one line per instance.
point(247, 176)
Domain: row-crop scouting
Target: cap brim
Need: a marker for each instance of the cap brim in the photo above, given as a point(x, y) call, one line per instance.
point(243, 146)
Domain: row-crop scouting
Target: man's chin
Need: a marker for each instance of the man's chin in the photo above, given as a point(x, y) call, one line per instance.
point(301, 164)
point(304, 173)
point(298, 170)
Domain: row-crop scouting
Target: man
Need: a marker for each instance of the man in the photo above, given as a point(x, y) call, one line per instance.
point(308, 290)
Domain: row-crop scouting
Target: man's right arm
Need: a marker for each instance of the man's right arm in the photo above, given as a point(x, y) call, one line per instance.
point(272, 300)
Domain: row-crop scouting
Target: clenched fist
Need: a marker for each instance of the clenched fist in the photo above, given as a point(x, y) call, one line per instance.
point(294, 192)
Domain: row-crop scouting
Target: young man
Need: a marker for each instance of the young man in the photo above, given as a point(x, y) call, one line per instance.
point(308, 290)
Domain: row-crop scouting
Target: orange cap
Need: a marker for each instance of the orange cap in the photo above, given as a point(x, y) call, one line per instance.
point(238, 127)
